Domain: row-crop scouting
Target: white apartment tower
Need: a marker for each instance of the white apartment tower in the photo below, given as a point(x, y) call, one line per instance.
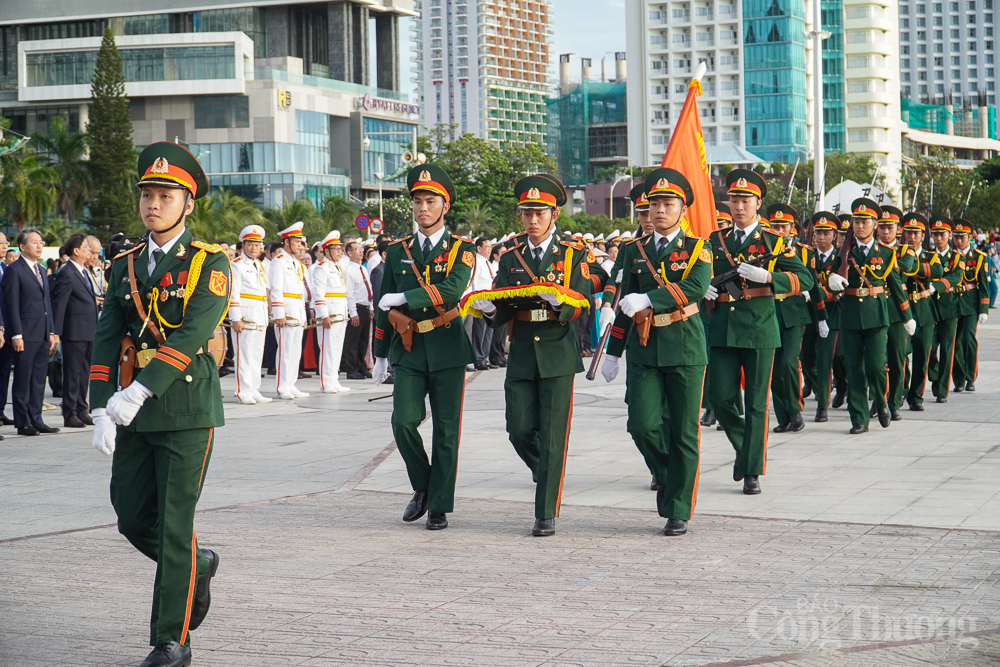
point(485, 66)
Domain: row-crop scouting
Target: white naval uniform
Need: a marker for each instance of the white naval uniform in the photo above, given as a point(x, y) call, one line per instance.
point(329, 293)
point(287, 285)
point(249, 304)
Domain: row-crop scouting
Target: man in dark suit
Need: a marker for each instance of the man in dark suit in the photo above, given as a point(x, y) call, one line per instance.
point(6, 351)
point(29, 325)
point(74, 314)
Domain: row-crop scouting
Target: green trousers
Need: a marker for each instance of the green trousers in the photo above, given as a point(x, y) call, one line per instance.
point(896, 351)
point(807, 358)
point(156, 480)
point(939, 368)
point(748, 434)
point(966, 364)
point(539, 412)
point(923, 341)
point(446, 390)
point(786, 380)
point(839, 367)
point(864, 352)
point(663, 423)
point(822, 387)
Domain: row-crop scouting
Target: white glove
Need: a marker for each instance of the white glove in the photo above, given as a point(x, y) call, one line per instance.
point(932, 288)
point(390, 300)
point(609, 369)
point(607, 319)
point(712, 294)
point(911, 327)
point(484, 306)
point(124, 405)
point(633, 303)
point(824, 328)
point(807, 297)
point(983, 317)
point(552, 300)
point(381, 370)
point(104, 432)
point(757, 274)
point(621, 272)
point(837, 282)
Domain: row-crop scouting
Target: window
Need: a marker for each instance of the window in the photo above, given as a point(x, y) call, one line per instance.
point(972, 33)
point(939, 75)
point(905, 63)
point(921, 62)
point(221, 111)
point(937, 6)
point(922, 76)
point(955, 73)
point(148, 64)
point(939, 62)
point(921, 22)
point(938, 34)
point(956, 88)
point(938, 21)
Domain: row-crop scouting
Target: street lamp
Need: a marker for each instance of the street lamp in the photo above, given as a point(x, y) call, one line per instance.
point(611, 197)
point(631, 167)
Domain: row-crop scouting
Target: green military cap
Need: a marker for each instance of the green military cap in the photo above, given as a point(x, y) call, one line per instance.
point(432, 178)
point(915, 221)
point(168, 165)
point(962, 226)
point(665, 182)
point(845, 221)
point(940, 223)
point(746, 182)
point(540, 191)
point(863, 207)
point(825, 220)
point(782, 214)
point(723, 212)
point(890, 215)
point(639, 198)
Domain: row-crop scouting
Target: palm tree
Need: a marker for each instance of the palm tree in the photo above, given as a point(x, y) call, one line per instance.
point(338, 212)
point(28, 192)
point(476, 222)
point(222, 215)
point(55, 231)
point(295, 211)
point(64, 152)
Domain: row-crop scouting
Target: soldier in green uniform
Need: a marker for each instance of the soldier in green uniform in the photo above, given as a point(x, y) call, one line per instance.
point(794, 314)
point(666, 274)
point(839, 364)
point(425, 276)
point(946, 299)
point(924, 310)
point(743, 333)
point(544, 352)
point(723, 220)
point(897, 340)
point(825, 226)
point(973, 307)
point(864, 314)
point(165, 297)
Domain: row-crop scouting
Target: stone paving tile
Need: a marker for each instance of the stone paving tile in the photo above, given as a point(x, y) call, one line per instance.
point(337, 579)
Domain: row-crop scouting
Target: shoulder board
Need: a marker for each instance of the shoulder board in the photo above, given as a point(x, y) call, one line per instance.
point(573, 244)
point(519, 245)
point(768, 230)
point(238, 259)
point(690, 237)
point(207, 247)
point(128, 252)
point(405, 238)
point(807, 247)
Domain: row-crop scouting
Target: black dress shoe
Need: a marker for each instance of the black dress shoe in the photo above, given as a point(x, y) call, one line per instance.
point(916, 407)
point(271, 371)
point(781, 428)
point(86, 419)
point(858, 429)
point(43, 428)
point(675, 527)
point(368, 375)
point(884, 418)
point(534, 477)
point(502, 364)
point(708, 419)
point(654, 485)
point(202, 592)
point(970, 386)
point(437, 521)
point(821, 415)
point(838, 400)
point(493, 367)
point(6, 421)
point(482, 367)
point(797, 423)
point(959, 388)
point(355, 376)
point(304, 376)
point(470, 368)
point(737, 476)
point(223, 372)
point(751, 486)
point(169, 654)
point(544, 527)
point(73, 422)
point(873, 410)
point(389, 379)
point(941, 399)
point(895, 415)
point(807, 390)
point(720, 427)
point(417, 506)
point(27, 430)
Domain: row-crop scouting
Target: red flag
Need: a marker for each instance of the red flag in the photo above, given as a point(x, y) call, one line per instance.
point(686, 154)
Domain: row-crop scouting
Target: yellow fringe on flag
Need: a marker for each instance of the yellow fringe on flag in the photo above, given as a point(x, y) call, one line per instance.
point(565, 296)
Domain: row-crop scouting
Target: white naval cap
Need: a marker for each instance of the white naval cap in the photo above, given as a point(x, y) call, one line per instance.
point(252, 233)
point(333, 238)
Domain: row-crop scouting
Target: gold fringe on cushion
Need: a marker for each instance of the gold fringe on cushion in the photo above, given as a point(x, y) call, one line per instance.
point(565, 296)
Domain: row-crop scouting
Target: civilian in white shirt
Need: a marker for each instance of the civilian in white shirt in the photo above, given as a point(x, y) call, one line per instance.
point(359, 304)
point(482, 279)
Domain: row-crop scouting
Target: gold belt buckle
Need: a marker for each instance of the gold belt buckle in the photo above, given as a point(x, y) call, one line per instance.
point(143, 357)
point(863, 291)
point(425, 325)
point(539, 315)
point(662, 320)
point(780, 297)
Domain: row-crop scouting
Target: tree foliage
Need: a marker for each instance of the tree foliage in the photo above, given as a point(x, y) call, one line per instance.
point(28, 192)
point(64, 152)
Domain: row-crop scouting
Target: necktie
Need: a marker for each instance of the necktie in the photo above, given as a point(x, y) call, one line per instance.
point(367, 286)
point(538, 254)
point(740, 236)
point(38, 274)
point(427, 246)
point(90, 285)
point(663, 243)
point(154, 260)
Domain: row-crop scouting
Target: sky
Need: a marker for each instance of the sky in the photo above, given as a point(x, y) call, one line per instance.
point(589, 29)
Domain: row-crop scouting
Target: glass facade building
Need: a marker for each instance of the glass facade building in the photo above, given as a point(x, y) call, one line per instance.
point(834, 103)
point(391, 147)
point(67, 68)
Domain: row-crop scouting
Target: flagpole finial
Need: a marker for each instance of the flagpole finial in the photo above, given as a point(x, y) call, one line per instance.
point(699, 72)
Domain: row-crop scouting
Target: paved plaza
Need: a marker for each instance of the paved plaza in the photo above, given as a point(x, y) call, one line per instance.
point(879, 549)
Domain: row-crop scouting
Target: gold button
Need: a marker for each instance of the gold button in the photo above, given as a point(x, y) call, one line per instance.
point(188, 378)
point(861, 299)
point(145, 345)
point(732, 308)
point(537, 339)
point(425, 310)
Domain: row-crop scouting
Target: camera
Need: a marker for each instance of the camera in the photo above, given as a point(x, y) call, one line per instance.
point(117, 244)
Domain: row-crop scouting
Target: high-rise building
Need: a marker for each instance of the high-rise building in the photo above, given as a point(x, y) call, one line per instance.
point(485, 66)
point(280, 100)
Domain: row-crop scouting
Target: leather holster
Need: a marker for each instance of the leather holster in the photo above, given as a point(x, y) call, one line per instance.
point(127, 361)
point(404, 326)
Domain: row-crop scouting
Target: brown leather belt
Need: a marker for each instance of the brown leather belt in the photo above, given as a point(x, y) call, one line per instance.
point(864, 291)
point(666, 319)
point(917, 296)
point(535, 315)
point(782, 297)
point(752, 293)
point(424, 326)
point(966, 287)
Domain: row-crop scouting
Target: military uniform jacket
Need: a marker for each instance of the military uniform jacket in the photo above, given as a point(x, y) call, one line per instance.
point(287, 283)
point(871, 312)
point(792, 310)
point(249, 289)
point(906, 262)
point(548, 349)
point(974, 298)
point(329, 290)
point(685, 266)
point(926, 268)
point(752, 323)
point(831, 299)
point(189, 290)
point(945, 295)
point(447, 271)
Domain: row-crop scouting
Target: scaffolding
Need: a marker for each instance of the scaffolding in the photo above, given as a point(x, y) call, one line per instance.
point(587, 130)
point(936, 118)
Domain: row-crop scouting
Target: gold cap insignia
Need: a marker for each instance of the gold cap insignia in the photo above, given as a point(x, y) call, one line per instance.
point(741, 183)
point(533, 193)
point(662, 184)
point(643, 199)
point(425, 177)
point(779, 215)
point(862, 208)
point(161, 166)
